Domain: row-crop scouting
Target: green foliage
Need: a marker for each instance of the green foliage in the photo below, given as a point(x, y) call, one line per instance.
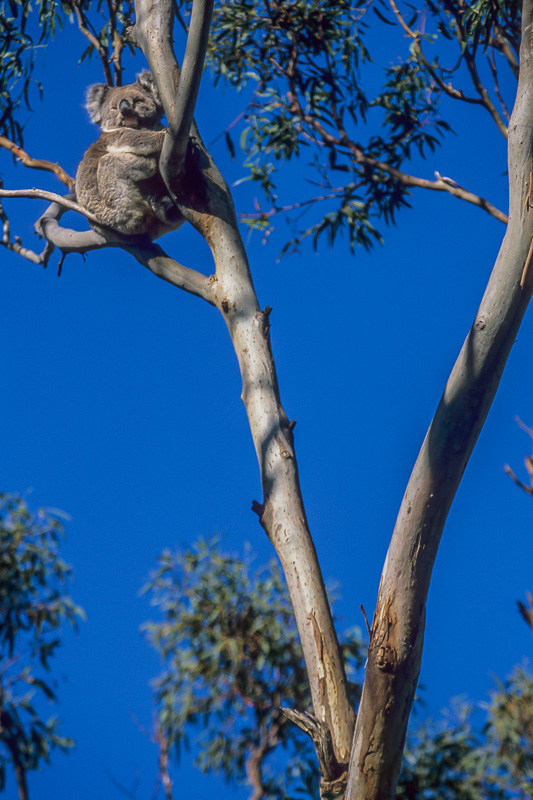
point(33, 607)
point(232, 658)
point(314, 97)
point(16, 68)
point(509, 734)
point(451, 761)
point(26, 28)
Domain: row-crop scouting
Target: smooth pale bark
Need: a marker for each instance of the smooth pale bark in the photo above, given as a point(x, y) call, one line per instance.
point(206, 203)
point(398, 627)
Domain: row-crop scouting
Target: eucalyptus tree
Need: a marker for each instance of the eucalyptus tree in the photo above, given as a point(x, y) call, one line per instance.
point(305, 59)
point(33, 607)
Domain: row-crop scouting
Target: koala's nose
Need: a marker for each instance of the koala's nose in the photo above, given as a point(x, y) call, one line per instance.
point(124, 106)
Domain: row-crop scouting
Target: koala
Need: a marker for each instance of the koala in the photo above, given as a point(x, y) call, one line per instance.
point(118, 179)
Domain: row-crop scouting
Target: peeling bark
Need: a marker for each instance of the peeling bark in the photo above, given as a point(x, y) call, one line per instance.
point(398, 628)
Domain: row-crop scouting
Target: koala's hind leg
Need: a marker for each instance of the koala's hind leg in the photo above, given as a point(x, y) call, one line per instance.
point(126, 209)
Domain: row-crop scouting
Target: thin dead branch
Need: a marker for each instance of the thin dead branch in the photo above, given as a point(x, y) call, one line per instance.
point(527, 610)
point(37, 163)
point(528, 462)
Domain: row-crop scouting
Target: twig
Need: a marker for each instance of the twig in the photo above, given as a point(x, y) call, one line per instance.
point(508, 471)
point(116, 38)
point(437, 186)
point(369, 629)
point(264, 215)
point(131, 794)
point(528, 461)
point(527, 611)
point(508, 50)
point(98, 46)
point(37, 163)
point(524, 427)
point(492, 64)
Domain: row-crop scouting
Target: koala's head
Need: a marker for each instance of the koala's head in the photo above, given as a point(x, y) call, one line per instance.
point(137, 105)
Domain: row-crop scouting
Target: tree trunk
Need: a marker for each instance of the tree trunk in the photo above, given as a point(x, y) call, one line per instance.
point(205, 201)
point(397, 632)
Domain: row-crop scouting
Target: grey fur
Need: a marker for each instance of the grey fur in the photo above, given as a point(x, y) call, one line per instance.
point(118, 178)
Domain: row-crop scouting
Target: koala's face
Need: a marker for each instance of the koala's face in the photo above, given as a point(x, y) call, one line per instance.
point(134, 106)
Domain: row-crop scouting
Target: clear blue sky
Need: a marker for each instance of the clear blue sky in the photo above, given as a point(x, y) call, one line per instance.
point(120, 404)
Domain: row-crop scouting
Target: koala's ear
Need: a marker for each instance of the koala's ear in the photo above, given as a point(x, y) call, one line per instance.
point(146, 81)
point(96, 96)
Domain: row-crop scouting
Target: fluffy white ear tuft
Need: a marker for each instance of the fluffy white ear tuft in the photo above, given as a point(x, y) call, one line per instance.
point(96, 96)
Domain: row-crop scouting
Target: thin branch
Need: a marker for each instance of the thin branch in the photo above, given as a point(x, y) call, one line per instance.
point(440, 185)
point(116, 39)
point(508, 471)
point(527, 611)
point(264, 215)
point(508, 48)
point(470, 62)
point(528, 462)
point(129, 793)
point(360, 157)
point(447, 88)
point(176, 143)
point(37, 163)
point(150, 255)
point(523, 426)
point(492, 64)
point(41, 194)
point(96, 43)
